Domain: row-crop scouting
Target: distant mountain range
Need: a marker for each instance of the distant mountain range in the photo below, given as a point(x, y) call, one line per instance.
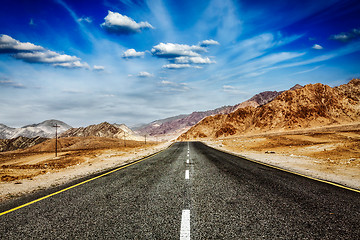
point(310, 106)
point(44, 129)
point(181, 123)
point(104, 129)
point(31, 135)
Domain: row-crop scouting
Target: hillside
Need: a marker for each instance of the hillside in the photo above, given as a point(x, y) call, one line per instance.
point(105, 130)
point(19, 143)
point(182, 122)
point(44, 129)
point(310, 106)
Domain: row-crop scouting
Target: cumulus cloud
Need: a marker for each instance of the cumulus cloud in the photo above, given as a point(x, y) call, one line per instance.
point(182, 56)
point(32, 53)
point(132, 53)
point(317, 47)
point(145, 74)
point(173, 50)
point(347, 36)
point(85, 19)
point(209, 42)
point(194, 60)
point(45, 57)
point(10, 45)
point(76, 64)
point(118, 23)
point(98, 68)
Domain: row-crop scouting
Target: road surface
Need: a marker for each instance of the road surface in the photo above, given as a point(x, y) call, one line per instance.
point(189, 191)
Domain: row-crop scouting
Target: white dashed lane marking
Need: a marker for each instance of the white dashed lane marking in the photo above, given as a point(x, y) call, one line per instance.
point(187, 175)
point(185, 225)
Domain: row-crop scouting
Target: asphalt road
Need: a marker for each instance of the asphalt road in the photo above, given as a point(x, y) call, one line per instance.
point(189, 190)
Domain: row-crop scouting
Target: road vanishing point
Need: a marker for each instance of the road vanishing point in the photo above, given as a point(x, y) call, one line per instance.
point(188, 191)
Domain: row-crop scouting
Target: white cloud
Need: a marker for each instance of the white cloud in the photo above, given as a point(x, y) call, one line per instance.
point(173, 50)
point(195, 60)
point(45, 57)
point(176, 66)
point(228, 87)
point(10, 45)
point(32, 53)
point(85, 19)
point(209, 42)
point(317, 47)
point(118, 23)
point(173, 86)
point(165, 82)
point(306, 71)
point(76, 64)
point(11, 84)
point(347, 36)
point(98, 68)
point(232, 89)
point(132, 53)
point(145, 74)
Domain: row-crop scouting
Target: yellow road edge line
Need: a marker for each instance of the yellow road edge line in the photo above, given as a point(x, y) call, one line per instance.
point(289, 171)
point(81, 183)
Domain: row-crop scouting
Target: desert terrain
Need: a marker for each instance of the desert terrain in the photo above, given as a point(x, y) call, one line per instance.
point(24, 171)
point(313, 130)
point(330, 153)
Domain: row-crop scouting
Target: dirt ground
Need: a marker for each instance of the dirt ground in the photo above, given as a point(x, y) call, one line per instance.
point(329, 153)
point(37, 167)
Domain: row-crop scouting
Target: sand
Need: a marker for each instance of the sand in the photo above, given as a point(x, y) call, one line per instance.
point(329, 153)
point(37, 171)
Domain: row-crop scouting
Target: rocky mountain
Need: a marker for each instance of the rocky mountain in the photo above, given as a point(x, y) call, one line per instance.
point(19, 143)
point(103, 130)
point(44, 129)
point(178, 123)
point(183, 122)
point(309, 106)
point(262, 98)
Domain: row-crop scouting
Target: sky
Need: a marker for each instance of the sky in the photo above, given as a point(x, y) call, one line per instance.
point(124, 61)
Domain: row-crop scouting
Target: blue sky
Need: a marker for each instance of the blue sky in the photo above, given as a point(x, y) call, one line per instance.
point(124, 61)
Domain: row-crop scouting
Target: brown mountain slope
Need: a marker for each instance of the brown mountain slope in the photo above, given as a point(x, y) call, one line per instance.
point(19, 143)
point(99, 130)
point(181, 122)
point(310, 106)
point(104, 129)
point(174, 124)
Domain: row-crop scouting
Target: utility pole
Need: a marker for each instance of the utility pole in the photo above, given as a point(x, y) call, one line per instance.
point(56, 127)
point(124, 140)
point(145, 139)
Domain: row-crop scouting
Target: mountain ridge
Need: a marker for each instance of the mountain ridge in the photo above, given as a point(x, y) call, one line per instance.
point(182, 122)
point(44, 129)
point(309, 106)
point(103, 129)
